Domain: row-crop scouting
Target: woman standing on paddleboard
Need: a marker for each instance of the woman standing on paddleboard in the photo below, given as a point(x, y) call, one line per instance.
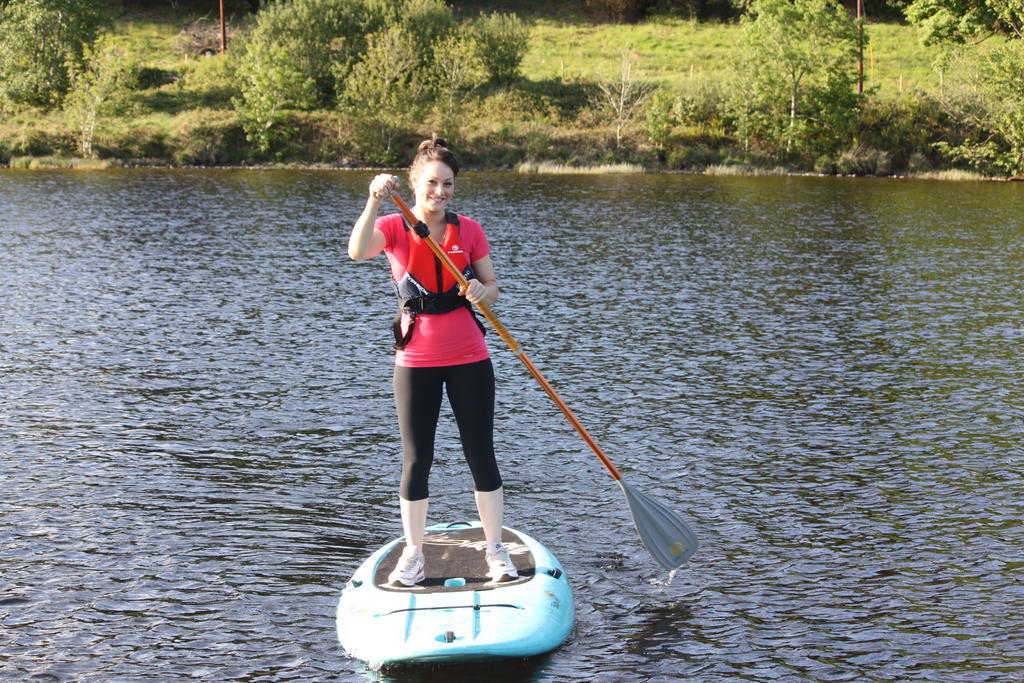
point(439, 347)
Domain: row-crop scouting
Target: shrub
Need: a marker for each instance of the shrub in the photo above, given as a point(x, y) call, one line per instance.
point(151, 77)
point(207, 137)
point(825, 165)
point(919, 163)
point(902, 126)
point(692, 157)
point(306, 54)
point(322, 40)
point(306, 42)
point(272, 85)
point(660, 119)
point(324, 137)
point(860, 160)
point(994, 141)
point(687, 117)
point(25, 141)
point(385, 93)
point(459, 71)
point(429, 22)
point(138, 141)
point(502, 41)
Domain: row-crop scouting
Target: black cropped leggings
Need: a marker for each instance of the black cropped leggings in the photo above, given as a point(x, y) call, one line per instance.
point(470, 389)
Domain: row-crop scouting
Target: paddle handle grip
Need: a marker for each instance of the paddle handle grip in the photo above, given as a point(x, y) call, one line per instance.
point(512, 343)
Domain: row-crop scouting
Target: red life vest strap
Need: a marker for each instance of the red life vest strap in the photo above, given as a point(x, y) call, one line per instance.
point(423, 264)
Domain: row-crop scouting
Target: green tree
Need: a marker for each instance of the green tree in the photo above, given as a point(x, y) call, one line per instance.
point(305, 54)
point(985, 94)
point(99, 89)
point(957, 21)
point(660, 119)
point(272, 85)
point(991, 102)
point(322, 40)
point(1004, 76)
point(386, 92)
point(288, 60)
point(426, 22)
point(459, 70)
point(42, 42)
point(797, 71)
point(314, 37)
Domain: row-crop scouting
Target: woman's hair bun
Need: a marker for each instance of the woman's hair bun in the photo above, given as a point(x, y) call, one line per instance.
point(434, 149)
point(434, 141)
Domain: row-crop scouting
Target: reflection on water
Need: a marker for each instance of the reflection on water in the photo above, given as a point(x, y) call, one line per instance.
point(823, 375)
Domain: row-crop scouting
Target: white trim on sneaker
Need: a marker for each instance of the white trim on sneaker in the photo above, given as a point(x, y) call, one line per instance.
point(409, 570)
point(500, 566)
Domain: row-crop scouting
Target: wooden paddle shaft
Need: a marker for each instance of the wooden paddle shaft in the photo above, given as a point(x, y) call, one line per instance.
point(512, 343)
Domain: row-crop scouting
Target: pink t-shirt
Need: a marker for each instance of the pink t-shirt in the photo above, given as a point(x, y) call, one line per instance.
point(439, 339)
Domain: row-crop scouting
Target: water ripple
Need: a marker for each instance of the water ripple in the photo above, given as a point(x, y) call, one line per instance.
point(198, 446)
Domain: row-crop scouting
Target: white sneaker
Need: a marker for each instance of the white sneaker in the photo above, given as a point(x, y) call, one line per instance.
point(499, 565)
point(409, 570)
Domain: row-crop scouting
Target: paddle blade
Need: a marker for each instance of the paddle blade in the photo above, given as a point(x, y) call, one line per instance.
point(664, 533)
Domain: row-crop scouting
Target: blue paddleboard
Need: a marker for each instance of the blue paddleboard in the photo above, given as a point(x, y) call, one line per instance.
point(457, 613)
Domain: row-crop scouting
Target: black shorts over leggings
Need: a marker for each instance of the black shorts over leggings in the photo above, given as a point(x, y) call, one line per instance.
point(470, 389)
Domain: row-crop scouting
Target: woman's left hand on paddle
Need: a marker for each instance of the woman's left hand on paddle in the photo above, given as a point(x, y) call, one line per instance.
point(475, 292)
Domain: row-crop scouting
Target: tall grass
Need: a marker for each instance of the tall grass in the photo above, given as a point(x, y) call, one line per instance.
point(552, 168)
point(950, 174)
point(63, 162)
point(743, 169)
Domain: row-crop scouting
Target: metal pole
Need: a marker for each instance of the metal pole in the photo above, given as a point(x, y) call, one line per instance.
point(860, 46)
point(223, 30)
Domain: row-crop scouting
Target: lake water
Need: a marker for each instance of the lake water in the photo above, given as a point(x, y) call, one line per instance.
point(825, 376)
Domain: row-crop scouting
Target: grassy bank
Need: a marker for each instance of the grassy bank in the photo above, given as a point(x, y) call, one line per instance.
point(670, 51)
point(183, 112)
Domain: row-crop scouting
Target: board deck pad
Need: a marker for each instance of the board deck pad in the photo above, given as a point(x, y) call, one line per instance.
point(455, 562)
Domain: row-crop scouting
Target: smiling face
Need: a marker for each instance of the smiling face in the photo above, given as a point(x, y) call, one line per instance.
point(433, 186)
